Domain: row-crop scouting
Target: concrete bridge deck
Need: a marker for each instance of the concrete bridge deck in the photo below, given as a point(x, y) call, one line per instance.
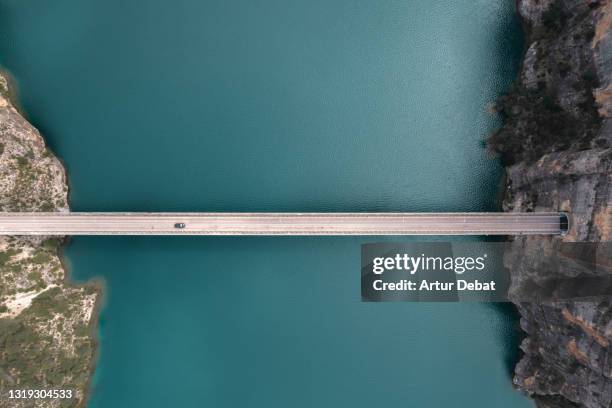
point(282, 223)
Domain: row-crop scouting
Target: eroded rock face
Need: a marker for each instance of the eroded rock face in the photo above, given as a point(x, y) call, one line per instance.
point(31, 177)
point(46, 323)
point(556, 146)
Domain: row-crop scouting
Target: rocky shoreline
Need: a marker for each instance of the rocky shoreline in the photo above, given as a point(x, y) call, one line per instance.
point(47, 323)
point(556, 146)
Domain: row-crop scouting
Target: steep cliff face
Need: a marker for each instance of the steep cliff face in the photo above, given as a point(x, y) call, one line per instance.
point(556, 144)
point(46, 339)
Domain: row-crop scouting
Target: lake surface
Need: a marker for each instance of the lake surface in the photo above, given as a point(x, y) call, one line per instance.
point(202, 105)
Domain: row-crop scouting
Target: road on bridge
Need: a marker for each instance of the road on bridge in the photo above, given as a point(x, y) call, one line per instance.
point(282, 223)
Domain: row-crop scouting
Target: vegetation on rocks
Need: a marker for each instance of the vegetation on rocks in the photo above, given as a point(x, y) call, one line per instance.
point(556, 145)
point(552, 107)
point(47, 324)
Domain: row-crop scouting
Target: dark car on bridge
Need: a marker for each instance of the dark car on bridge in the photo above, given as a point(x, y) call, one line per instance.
point(179, 225)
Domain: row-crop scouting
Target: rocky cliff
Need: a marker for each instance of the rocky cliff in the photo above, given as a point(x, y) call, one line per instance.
point(46, 329)
point(556, 145)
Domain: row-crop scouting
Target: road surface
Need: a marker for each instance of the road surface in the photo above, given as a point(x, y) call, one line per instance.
point(281, 223)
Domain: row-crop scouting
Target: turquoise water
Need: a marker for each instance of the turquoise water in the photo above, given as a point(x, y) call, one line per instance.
point(271, 106)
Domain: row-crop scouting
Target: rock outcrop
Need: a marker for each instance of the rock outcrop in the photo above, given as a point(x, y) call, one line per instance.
point(46, 324)
point(556, 145)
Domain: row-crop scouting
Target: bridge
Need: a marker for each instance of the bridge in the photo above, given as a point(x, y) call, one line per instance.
point(133, 223)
